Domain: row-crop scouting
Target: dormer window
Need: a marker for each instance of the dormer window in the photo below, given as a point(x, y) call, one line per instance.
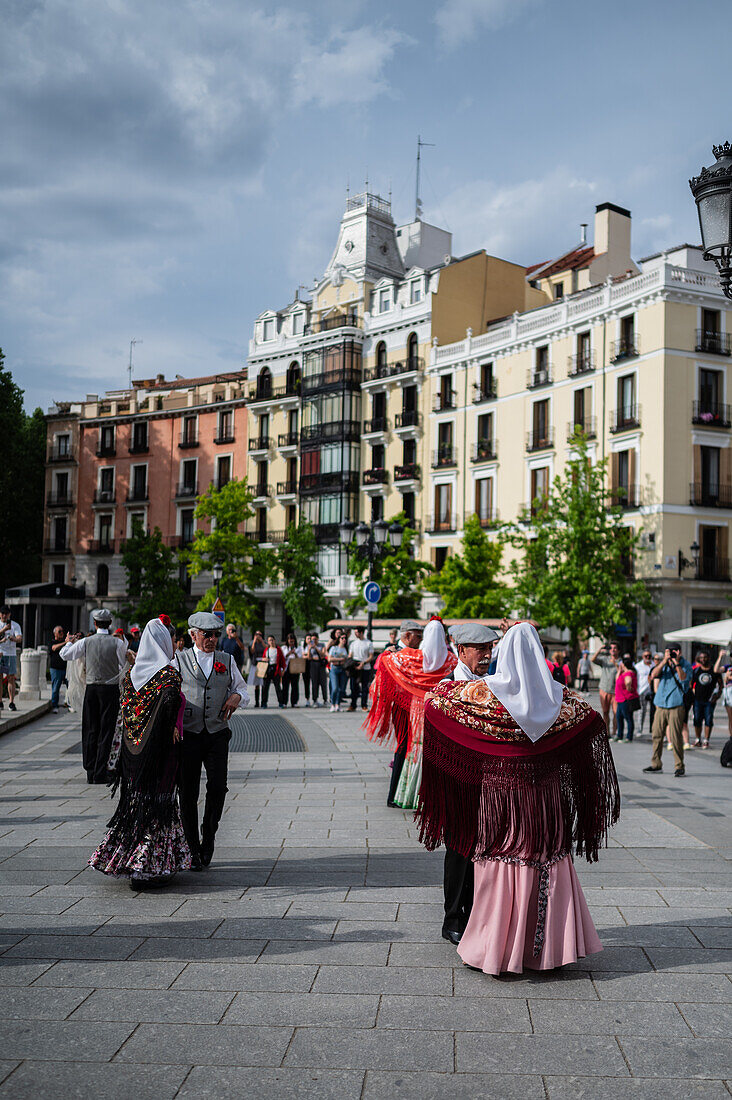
point(384, 301)
point(298, 324)
point(268, 332)
point(415, 291)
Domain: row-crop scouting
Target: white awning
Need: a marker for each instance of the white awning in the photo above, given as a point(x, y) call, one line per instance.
point(716, 633)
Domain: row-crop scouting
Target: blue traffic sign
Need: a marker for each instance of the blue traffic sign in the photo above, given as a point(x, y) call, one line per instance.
point(371, 592)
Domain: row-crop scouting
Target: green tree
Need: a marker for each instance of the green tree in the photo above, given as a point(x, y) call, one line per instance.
point(399, 573)
point(152, 583)
point(574, 568)
point(304, 596)
point(245, 565)
point(22, 477)
point(468, 581)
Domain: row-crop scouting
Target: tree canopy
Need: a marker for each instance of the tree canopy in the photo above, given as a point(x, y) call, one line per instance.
point(468, 582)
point(398, 572)
point(22, 478)
point(305, 597)
point(152, 584)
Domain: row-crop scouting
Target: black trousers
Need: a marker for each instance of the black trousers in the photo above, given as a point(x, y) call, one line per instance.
point(458, 884)
point(270, 679)
point(291, 688)
point(211, 751)
point(318, 680)
point(98, 718)
point(402, 731)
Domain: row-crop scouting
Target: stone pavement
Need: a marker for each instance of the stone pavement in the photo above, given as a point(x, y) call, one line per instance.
point(308, 962)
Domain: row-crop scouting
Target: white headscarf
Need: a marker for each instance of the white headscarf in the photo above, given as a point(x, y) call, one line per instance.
point(154, 653)
point(523, 684)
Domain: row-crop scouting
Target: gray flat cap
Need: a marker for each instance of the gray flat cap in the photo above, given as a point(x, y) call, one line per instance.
point(473, 634)
point(102, 615)
point(410, 624)
point(204, 620)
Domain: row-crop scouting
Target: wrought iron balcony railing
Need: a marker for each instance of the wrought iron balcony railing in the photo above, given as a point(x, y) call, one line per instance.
point(711, 414)
point(538, 377)
point(444, 456)
point(484, 393)
point(540, 441)
point(625, 496)
point(376, 476)
point(581, 363)
point(710, 494)
point(376, 424)
point(625, 418)
point(587, 426)
point(625, 348)
point(714, 343)
point(410, 471)
point(483, 451)
point(407, 418)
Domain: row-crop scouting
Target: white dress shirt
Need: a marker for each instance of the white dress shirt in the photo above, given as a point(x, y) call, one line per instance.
point(462, 672)
point(643, 671)
point(361, 649)
point(236, 686)
point(75, 651)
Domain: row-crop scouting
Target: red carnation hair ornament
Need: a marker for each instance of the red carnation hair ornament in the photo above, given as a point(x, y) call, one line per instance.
point(165, 620)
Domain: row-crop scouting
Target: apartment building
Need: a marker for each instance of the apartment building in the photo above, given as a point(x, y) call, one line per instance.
point(141, 453)
point(640, 362)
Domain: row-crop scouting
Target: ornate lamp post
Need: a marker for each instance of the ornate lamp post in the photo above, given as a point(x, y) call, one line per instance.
point(685, 562)
point(372, 544)
point(218, 572)
point(712, 191)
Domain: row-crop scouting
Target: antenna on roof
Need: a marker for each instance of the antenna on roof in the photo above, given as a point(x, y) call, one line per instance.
point(583, 234)
point(129, 368)
point(417, 201)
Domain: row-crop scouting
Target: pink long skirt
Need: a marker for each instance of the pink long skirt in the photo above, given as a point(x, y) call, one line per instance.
point(500, 934)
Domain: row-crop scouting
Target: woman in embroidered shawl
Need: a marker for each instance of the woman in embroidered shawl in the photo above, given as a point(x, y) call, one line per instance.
point(518, 774)
point(145, 838)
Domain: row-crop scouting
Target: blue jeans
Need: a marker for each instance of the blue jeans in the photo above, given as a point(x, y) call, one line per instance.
point(625, 714)
point(337, 683)
point(58, 676)
point(704, 713)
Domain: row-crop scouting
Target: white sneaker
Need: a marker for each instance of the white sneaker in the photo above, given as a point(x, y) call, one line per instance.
point(332, 708)
point(54, 710)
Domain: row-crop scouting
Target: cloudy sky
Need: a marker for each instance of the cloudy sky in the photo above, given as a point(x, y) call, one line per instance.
point(170, 169)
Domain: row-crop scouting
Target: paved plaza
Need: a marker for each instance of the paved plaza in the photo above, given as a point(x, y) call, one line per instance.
point(307, 961)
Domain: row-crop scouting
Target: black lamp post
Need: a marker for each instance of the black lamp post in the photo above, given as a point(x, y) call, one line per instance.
point(218, 572)
point(685, 562)
point(372, 544)
point(712, 191)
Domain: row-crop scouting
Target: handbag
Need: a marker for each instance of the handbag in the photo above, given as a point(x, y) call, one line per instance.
point(634, 704)
point(296, 665)
point(262, 667)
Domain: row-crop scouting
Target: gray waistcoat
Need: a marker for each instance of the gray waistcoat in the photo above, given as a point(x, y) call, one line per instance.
point(204, 698)
point(100, 656)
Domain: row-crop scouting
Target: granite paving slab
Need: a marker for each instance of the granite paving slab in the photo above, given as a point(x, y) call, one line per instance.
point(82, 1080)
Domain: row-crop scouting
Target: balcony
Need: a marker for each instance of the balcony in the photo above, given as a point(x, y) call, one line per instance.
point(484, 393)
point(487, 521)
point(268, 392)
point(393, 370)
point(101, 546)
point(288, 439)
point(538, 377)
point(342, 480)
point(625, 419)
point(332, 381)
point(438, 524)
point(712, 569)
point(327, 533)
point(407, 418)
point(346, 430)
point(710, 495)
point(625, 348)
point(625, 496)
point(60, 454)
point(105, 496)
point(56, 546)
point(409, 472)
point(483, 451)
point(710, 414)
point(286, 488)
point(59, 500)
point(336, 320)
point(582, 363)
point(444, 401)
point(224, 437)
point(188, 440)
point(139, 447)
point(376, 476)
point(186, 490)
point(259, 443)
point(262, 491)
point(271, 538)
point(587, 426)
point(444, 456)
point(540, 441)
point(713, 343)
point(106, 450)
point(376, 426)
point(138, 494)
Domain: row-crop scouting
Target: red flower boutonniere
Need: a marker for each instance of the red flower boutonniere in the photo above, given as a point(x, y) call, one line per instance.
point(218, 667)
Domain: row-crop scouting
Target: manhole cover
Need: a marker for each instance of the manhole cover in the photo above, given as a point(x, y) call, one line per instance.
point(264, 733)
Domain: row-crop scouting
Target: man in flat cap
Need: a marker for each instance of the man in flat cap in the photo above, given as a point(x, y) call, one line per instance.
point(213, 689)
point(474, 642)
point(104, 656)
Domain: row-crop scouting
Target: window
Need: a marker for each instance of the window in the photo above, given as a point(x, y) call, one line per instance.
point(189, 470)
point(484, 499)
point(264, 383)
point(710, 390)
point(377, 457)
point(622, 477)
point(139, 483)
point(443, 508)
point(415, 291)
point(135, 517)
point(627, 337)
point(409, 451)
point(106, 529)
point(58, 574)
point(62, 487)
point(444, 442)
point(539, 485)
point(298, 323)
point(558, 290)
point(187, 526)
point(485, 431)
point(139, 436)
point(377, 508)
point(384, 301)
point(264, 427)
point(293, 378)
point(188, 436)
point(292, 419)
point(409, 399)
point(378, 406)
point(408, 506)
point(63, 444)
point(540, 415)
point(542, 359)
point(710, 322)
point(226, 431)
point(59, 533)
point(381, 355)
point(291, 514)
point(106, 440)
point(584, 351)
point(223, 471)
point(709, 468)
point(440, 556)
point(261, 523)
point(413, 349)
point(626, 398)
point(262, 471)
point(268, 330)
point(106, 484)
point(102, 580)
point(486, 380)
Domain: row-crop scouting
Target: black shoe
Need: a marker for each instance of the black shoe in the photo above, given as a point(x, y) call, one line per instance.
point(196, 864)
point(679, 772)
point(90, 778)
point(1, 704)
point(207, 851)
point(452, 935)
point(652, 769)
point(391, 802)
point(12, 706)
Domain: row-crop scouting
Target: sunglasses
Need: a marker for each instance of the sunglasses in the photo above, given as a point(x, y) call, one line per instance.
point(210, 633)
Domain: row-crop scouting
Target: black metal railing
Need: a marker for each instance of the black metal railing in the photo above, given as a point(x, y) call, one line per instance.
point(137, 493)
point(489, 520)
point(61, 454)
point(625, 348)
point(625, 418)
point(540, 441)
point(711, 414)
point(484, 393)
point(139, 447)
point(376, 476)
point(716, 343)
point(625, 496)
point(224, 437)
point(343, 480)
point(101, 546)
point(407, 418)
point(190, 439)
point(581, 363)
point(105, 496)
point(483, 451)
point(286, 488)
point(259, 443)
point(376, 424)
point(538, 377)
point(442, 401)
point(337, 379)
point(348, 430)
point(327, 532)
point(106, 450)
point(262, 489)
point(436, 524)
point(712, 569)
point(288, 439)
point(186, 489)
point(443, 456)
point(56, 546)
point(336, 320)
point(587, 426)
point(59, 500)
point(710, 494)
point(408, 472)
point(393, 370)
point(274, 393)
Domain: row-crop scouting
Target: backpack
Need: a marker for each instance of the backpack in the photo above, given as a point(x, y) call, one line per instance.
point(558, 675)
point(726, 758)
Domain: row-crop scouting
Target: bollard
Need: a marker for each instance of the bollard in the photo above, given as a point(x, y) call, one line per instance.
point(30, 672)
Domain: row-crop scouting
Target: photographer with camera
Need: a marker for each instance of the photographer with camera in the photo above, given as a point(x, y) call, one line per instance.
point(606, 660)
point(673, 675)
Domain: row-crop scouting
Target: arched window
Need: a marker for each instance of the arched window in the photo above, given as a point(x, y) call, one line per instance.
point(412, 348)
point(264, 383)
point(102, 580)
point(293, 378)
point(381, 358)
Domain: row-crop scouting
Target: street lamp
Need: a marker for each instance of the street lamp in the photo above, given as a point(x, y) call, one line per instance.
point(712, 191)
point(685, 562)
point(372, 544)
point(218, 572)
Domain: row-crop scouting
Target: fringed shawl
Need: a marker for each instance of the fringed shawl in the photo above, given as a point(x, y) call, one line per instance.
point(398, 691)
point(487, 791)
